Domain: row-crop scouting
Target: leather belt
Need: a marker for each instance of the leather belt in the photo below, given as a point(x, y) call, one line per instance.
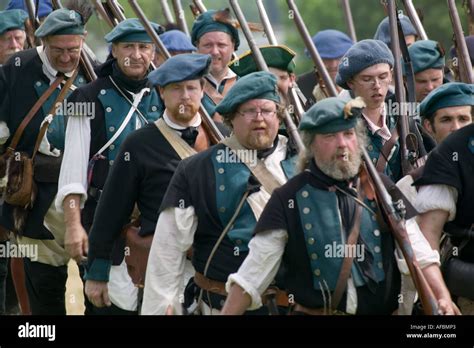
point(218, 288)
point(316, 311)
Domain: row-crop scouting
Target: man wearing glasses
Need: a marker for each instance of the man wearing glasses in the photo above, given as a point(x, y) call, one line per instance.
point(214, 200)
point(366, 70)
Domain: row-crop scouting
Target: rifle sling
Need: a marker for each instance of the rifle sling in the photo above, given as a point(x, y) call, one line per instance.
point(181, 147)
point(33, 111)
point(348, 260)
point(259, 170)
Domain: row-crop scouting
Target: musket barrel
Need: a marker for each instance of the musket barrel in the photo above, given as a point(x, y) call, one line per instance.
point(99, 7)
point(415, 19)
point(266, 23)
point(116, 11)
point(199, 4)
point(465, 67)
point(346, 7)
point(166, 11)
point(329, 84)
point(180, 17)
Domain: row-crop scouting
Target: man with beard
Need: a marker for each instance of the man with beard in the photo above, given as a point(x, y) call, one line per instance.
point(214, 33)
point(121, 101)
point(215, 199)
point(12, 33)
point(428, 62)
point(23, 80)
point(366, 70)
point(147, 159)
point(311, 222)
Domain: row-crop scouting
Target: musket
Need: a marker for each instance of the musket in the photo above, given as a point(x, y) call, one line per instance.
point(403, 127)
point(200, 6)
point(166, 12)
point(469, 5)
point(296, 102)
point(415, 19)
point(180, 17)
point(32, 24)
point(116, 10)
point(100, 9)
point(464, 61)
point(329, 87)
point(394, 216)
point(86, 53)
point(214, 133)
point(346, 8)
point(262, 65)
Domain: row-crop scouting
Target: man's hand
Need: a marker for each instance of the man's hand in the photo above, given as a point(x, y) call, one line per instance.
point(448, 307)
point(97, 293)
point(76, 242)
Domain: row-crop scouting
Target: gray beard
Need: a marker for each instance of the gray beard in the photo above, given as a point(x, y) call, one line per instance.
point(348, 171)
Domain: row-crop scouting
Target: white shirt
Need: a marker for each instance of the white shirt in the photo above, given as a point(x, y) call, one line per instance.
point(174, 235)
point(230, 74)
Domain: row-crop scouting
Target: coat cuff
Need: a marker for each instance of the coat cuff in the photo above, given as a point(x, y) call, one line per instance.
point(99, 270)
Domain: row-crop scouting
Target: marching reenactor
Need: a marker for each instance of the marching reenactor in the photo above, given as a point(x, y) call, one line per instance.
point(44, 71)
point(310, 222)
point(445, 204)
point(12, 33)
point(176, 42)
point(383, 31)
point(214, 33)
point(280, 61)
point(147, 158)
point(214, 200)
point(122, 101)
point(366, 70)
point(427, 57)
point(331, 45)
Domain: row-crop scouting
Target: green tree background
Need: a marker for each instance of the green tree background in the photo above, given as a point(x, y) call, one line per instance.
point(317, 14)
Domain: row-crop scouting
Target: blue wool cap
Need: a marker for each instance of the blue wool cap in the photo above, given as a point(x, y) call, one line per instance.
point(447, 95)
point(12, 19)
point(470, 48)
point(213, 20)
point(45, 7)
point(182, 67)
point(426, 54)
point(361, 56)
point(328, 116)
point(383, 30)
point(257, 85)
point(177, 41)
point(61, 22)
point(131, 30)
point(331, 44)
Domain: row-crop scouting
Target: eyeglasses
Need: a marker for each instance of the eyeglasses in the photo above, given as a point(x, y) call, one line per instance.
point(252, 114)
point(372, 80)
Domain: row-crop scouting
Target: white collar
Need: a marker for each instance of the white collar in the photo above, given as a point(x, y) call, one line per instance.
point(196, 122)
point(230, 74)
point(383, 131)
point(48, 69)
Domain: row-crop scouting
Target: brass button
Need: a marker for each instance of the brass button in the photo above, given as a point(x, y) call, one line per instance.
point(370, 148)
point(314, 256)
point(222, 209)
point(376, 233)
point(111, 162)
point(308, 226)
point(154, 108)
point(377, 249)
point(221, 170)
point(108, 109)
point(111, 129)
point(38, 83)
point(305, 194)
point(222, 188)
point(317, 272)
point(380, 265)
point(238, 241)
point(103, 92)
point(112, 147)
point(311, 241)
point(306, 210)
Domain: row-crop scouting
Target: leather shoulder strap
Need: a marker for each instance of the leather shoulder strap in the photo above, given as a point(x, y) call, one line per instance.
point(52, 111)
point(386, 150)
point(348, 260)
point(181, 147)
point(257, 167)
point(33, 111)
